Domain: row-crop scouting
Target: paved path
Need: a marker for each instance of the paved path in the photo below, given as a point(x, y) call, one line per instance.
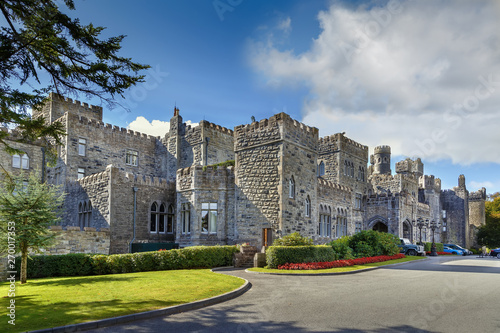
point(459, 294)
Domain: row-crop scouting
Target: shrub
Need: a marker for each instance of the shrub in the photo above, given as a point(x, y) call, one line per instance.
point(294, 239)
point(279, 255)
point(341, 247)
point(369, 243)
point(74, 264)
point(89, 264)
point(439, 247)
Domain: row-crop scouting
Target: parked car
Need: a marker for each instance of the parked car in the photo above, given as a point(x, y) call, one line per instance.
point(495, 252)
point(410, 249)
point(453, 251)
point(458, 247)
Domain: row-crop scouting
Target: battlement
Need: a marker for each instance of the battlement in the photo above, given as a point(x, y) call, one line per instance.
point(116, 130)
point(15, 135)
point(214, 127)
point(341, 138)
point(335, 186)
point(204, 170)
point(479, 195)
point(270, 123)
point(56, 105)
point(382, 150)
point(75, 104)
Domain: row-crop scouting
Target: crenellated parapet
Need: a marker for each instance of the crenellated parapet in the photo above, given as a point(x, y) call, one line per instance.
point(337, 187)
point(56, 106)
point(108, 128)
point(205, 178)
point(479, 195)
point(214, 127)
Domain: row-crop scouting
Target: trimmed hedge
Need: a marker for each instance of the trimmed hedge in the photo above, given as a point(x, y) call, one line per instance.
point(366, 243)
point(97, 264)
point(280, 255)
point(439, 247)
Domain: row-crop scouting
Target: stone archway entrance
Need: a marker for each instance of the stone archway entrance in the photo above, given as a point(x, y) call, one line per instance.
point(379, 226)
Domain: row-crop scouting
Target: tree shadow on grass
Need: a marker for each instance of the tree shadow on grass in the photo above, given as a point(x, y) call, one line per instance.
point(32, 316)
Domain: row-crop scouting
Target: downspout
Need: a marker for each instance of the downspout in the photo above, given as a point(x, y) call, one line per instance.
point(135, 210)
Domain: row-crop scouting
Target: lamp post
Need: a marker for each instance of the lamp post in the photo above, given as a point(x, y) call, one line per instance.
point(420, 224)
point(434, 225)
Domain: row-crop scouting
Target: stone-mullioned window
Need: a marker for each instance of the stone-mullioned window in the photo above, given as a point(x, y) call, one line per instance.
point(209, 218)
point(186, 218)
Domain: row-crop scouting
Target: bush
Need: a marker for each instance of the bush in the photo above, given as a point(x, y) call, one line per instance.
point(370, 243)
point(74, 264)
point(341, 247)
point(90, 264)
point(439, 247)
point(279, 255)
point(294, 239)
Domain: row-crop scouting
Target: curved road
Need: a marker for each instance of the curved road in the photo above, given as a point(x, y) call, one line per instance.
point(443, 294)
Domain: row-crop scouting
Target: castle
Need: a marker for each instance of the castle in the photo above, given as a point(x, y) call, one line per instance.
point(284, 179)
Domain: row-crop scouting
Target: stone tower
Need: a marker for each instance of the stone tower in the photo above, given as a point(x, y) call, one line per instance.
point(381, 160)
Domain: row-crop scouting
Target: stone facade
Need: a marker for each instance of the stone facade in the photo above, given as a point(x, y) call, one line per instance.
point(285, 179)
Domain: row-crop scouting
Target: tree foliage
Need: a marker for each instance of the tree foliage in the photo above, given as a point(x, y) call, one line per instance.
point(489, 234)
point(27, 209)
point(42, 50)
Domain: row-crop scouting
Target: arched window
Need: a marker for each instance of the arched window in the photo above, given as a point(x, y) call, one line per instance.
point(352, 169)
point(84, 214)
point(170, 219)
point(321, 169)
point(362, 174)
point(291, 188)
point(308, 207)
point(154, 218)
point(346, 168)
point(161, 219)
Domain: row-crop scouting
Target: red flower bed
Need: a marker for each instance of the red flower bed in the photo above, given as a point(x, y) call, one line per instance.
point(440, 253)
point(340, 263)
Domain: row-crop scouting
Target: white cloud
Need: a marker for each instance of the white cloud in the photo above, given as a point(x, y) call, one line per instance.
point(154, 128)
point(478, 185)
point(423, 77)
point(285, 25)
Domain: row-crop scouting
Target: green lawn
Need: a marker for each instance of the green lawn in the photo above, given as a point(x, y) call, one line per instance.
point(335, 270)
point(52, 302)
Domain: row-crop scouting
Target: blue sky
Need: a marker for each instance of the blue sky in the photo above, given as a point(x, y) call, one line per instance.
point(423, 77)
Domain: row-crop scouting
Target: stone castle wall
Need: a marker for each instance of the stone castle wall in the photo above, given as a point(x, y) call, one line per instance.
point(298, 162)
point(197, 185)
point(57, 106)
point(258, 151)
point(106, 144)
point(74, 240)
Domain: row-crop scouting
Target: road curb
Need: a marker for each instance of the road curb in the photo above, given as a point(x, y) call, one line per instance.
point(153, 313)
point(340, 273)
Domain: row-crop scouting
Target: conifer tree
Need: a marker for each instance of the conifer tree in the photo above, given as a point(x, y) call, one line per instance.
point(27, 209)
point(44, 50)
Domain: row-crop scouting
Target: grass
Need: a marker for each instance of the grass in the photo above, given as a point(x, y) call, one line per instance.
point(335, 270)
point(52, 302)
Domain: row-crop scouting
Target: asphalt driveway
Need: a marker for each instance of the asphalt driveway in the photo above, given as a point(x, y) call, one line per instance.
point(443, 294)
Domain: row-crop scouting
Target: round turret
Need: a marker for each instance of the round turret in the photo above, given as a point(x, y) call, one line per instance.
point(381, 160)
